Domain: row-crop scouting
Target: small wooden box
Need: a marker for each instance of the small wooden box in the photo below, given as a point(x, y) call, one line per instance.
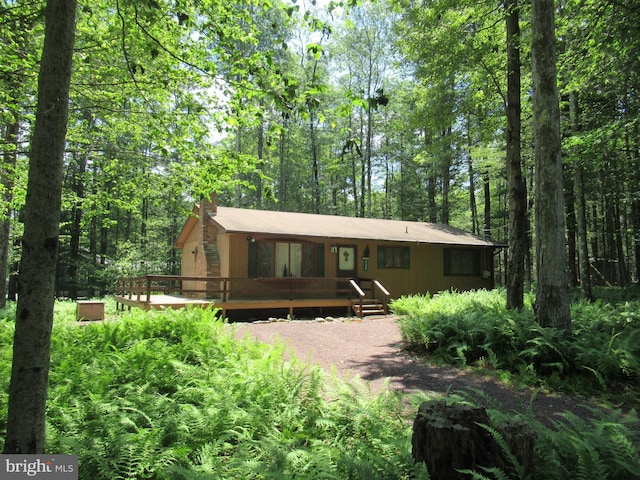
point(89, 310)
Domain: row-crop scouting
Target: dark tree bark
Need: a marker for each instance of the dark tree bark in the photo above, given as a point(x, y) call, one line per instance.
point(450, 437)
point(635, 203)
point(258, 178)
point(486, 229)
point(315, 169)
point(584, 271)
point(7, 172)
point(431, 181)
point(21, 27)
point(581, 223)
point(552, 295)
point(34, 315)
point(363, 172)
point(475, 227)
point(569, 202)
point(518, 225)
point(282, 178)
point(620, 250)
point(77, 186)
point(446, 173)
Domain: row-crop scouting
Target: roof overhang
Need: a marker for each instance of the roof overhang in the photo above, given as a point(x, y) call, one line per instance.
point(289, 224)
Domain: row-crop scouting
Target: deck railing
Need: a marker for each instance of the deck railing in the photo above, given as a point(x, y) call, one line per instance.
point(372, 289)
point(359, 292)
point(225, 288)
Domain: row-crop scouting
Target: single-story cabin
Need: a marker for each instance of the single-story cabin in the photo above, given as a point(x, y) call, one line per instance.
point(241, 259)
point(262, 259)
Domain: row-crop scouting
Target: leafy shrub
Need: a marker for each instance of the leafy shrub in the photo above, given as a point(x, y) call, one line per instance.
point(601, 353)
point(605, 448)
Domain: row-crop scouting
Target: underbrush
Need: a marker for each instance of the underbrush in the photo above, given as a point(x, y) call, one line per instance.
point(603, 447)
point(600, 356)
point(174, 395)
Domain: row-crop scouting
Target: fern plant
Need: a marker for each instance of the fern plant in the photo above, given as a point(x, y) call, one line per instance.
point(602, 353)
point(175, 395)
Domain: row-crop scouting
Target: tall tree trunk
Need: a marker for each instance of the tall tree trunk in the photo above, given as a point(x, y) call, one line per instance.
point(387, 207)
point(569, 201)
point(595, 244)
point(34, 314)
point(77, 186)
point(581, 226)
point(620, 255)
point(237, 197)
point(431, 194)
point(486, 228)
point(315, 167)
point(518, 225)
point(609, 225)
point(144, 240)
point(475, 227)
point(363, 172)
point(315, 174)
point(259, 192)
point(352, 147)
point(552, 296)
point(354, 176)
point(368, 155)
point(104, 236)
point(431, 184)
point(635, 203)
point(584, 271)
point(7, 175)
point(282, 181)
point(446, 174)
point(618, 191)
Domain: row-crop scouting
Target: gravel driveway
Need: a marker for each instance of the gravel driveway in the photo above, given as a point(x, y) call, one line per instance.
point(371, 349)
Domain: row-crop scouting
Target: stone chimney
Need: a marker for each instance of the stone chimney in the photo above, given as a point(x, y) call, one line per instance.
point(208, 262)
point(209, 206)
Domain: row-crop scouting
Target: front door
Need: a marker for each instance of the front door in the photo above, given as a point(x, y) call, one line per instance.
point(347, 264)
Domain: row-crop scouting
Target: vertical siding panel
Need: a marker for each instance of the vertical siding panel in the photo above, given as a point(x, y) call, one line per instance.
point(425, 275)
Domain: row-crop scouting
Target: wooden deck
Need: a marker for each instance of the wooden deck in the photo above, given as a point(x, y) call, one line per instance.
point(174, 301)
point(157, 292)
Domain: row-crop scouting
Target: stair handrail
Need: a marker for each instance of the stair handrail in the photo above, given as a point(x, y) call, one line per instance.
point(360, 293)
point(385, 294)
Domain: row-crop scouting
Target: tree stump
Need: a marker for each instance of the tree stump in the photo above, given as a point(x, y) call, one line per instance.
point(450, 437)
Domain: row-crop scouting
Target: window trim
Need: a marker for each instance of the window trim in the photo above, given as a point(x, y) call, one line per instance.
point(316, 267)
point(403, 252)
point(476, 262)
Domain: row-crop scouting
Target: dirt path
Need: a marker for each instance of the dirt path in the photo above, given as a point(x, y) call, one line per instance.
point(371, 349)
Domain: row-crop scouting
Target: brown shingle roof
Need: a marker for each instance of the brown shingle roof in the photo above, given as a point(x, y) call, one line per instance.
point(238, 220)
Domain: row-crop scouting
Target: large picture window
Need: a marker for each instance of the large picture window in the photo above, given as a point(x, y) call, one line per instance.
point(460, 261)
point(285, 259)
point(394, 257)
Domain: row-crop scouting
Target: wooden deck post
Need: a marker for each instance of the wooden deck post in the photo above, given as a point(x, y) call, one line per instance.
point(148, 282)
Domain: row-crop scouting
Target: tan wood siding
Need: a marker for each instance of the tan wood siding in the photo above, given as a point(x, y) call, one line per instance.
point(426, 272)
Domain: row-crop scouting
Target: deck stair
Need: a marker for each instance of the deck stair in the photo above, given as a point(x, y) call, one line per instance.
point(367, 302)
point(370, 306)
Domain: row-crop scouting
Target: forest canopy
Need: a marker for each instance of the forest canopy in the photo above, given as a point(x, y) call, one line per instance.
point(388, 109)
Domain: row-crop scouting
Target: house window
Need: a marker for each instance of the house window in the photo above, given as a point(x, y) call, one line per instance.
point(285, 259)
point(459, 261)
point(394, 257)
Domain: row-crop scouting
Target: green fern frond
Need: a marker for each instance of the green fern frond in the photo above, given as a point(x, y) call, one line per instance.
point(474, 475)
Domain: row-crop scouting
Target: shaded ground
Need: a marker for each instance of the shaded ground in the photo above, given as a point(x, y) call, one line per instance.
point(371, 349)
